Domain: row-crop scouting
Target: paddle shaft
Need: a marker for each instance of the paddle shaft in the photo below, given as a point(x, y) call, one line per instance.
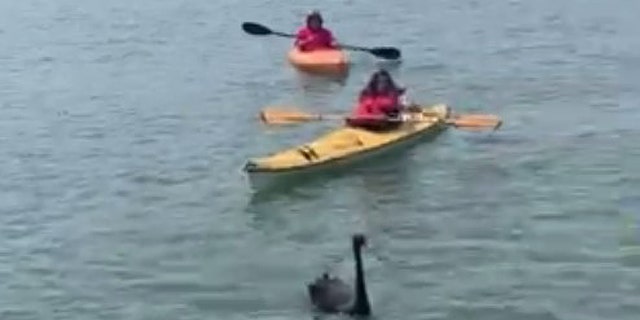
point(382, 52)
point(448, 121)
point(320, 117)
point(354, 48)
point(458, 121)
point(340, 46)
point(282, 34)
point(330, 116)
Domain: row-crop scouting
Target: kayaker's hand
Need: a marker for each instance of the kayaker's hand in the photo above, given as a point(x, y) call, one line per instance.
point(312, 38)
point(304, 42)
point(414, 108)
point(393, 114)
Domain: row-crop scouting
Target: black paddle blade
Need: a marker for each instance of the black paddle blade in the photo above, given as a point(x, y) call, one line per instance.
point(389, 53)
point(256, 29)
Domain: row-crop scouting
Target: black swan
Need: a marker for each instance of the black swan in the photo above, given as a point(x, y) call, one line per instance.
point(332, 295)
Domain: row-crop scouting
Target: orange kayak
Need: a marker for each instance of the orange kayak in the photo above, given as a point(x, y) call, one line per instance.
point(319, 61)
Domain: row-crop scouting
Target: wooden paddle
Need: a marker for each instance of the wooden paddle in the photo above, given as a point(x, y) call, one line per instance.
point(389, 53)
point(281, 116)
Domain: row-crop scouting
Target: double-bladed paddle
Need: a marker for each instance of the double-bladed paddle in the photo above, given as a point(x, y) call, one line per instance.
point(256, 29)
point(281, 116)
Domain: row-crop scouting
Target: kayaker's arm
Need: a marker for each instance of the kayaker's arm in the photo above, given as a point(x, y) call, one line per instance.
point(303, 38)
point(333, 43)
point(305, 42)
point(406, 103)
point(404, 100)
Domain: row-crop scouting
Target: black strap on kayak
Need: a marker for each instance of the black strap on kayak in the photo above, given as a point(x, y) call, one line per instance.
point(304, 153)
point(312, 152)
point(308, 153)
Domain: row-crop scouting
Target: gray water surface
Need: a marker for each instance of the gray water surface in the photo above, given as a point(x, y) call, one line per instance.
point(124, 126)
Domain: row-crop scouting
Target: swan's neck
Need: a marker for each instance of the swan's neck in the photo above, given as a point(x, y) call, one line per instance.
point(361, 305)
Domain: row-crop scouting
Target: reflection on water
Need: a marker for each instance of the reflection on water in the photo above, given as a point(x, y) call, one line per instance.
point(321, 92)
point(293, 187)
point(321, 83)
point(384, 181)
point(630, 234)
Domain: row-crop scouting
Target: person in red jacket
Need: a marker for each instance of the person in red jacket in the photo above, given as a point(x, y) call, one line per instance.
point(314, 36)
point(380, 104)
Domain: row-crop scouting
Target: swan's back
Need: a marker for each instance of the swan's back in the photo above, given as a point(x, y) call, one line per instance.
point(330, 294)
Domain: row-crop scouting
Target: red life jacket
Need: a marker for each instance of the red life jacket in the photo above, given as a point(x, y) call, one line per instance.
point(378, 106)
point(308, 39)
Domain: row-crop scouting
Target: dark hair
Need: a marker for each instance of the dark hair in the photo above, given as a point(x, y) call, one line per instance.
point(372, 89)
point(314, 15)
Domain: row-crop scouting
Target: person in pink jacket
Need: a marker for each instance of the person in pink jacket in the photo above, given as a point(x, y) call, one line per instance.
point(314, 36)
point(381, 104)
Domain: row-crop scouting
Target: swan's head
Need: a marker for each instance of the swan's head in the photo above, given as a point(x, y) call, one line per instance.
point(359, 240)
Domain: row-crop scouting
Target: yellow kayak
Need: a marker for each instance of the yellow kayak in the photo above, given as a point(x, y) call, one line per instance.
point(345, 144)
point(320, 61)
